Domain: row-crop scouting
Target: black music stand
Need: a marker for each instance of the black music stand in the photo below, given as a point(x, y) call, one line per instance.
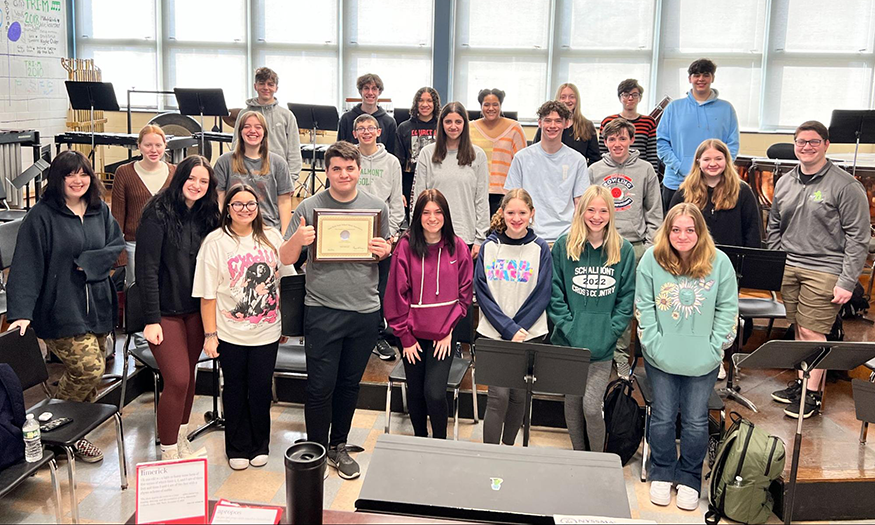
point(31, 173)
point(852, 126)
point(509, 364)
point(91, 96)
point(315, 118)
point(201, 101)
point(806, 356)
point(760, 270)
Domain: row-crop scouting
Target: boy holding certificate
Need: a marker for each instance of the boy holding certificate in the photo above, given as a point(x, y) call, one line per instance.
point(343, 309)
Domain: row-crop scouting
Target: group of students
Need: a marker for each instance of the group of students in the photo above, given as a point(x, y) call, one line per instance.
point(211, 253)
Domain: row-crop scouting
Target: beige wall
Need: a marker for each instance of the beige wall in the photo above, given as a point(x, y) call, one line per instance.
point(752, 144)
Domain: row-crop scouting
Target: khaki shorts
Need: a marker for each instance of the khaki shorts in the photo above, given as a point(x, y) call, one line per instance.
point(808, 298)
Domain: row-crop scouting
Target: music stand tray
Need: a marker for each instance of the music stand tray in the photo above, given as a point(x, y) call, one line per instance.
point(315, 118)
point(208, 102)
point(555, 369)
point(806, 356)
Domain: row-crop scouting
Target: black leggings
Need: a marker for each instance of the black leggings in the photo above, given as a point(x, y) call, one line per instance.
point(427, 391)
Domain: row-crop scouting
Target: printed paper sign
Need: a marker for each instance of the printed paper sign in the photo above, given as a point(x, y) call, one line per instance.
point(172, 491)
point(230, 513)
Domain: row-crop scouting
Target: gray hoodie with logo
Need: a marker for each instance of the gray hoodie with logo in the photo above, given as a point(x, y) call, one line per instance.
point(822, 225)
point(637, 199)
point(381, 178)
point(282, 136)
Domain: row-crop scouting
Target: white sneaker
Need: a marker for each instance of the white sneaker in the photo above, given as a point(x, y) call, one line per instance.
point(660, 492)
point(688, 498)
point(259, 460)
point(238, 463)
point(184, 445)
point(721, 375)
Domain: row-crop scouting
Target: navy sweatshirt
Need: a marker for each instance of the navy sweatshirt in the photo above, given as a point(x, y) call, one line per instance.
point(46, 284)
point(387, 124)
point(512, 278)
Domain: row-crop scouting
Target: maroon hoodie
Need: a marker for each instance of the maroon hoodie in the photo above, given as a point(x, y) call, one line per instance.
point(427, 296)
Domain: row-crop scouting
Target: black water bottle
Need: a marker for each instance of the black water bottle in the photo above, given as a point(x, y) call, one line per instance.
point(305, 475)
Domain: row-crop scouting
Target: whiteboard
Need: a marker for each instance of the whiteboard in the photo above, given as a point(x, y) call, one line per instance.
point(32, 43)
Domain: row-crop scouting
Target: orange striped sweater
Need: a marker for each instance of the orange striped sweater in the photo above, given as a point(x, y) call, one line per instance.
point(499, 150)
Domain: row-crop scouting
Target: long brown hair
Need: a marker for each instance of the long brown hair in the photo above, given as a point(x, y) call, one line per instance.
point(579, 232)
point(702, 255)
point(582, 127)
point(725, 195)
point(466, 154)
point(239, 152)
point(257, 223)
point(416, 235)
point(498, 224)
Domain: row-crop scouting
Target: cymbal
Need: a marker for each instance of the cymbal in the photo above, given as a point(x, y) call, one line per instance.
point(231, 119)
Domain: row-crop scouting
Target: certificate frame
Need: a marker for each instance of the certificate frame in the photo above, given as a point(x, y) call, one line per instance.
point(327, 248)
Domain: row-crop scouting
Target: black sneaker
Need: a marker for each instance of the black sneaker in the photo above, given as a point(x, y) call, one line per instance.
point(338, 457)
point(384, 350)
point(790, 394)
point(812, 405)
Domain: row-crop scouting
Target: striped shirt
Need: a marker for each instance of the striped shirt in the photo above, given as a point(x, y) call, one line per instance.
point(645, 138)
point(499, 151)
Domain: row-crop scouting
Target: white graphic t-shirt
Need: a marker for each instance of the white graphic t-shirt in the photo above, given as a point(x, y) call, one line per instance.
point(243, 277)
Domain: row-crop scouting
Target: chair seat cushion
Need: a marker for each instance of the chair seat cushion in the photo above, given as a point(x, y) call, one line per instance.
point(457, 372)
point(757, 308)
point(86, 417)
point(144, 355)
point(13, 475)
point(291, 358)
point(715, 402)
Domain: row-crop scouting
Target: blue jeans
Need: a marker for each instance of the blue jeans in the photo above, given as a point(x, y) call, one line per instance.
point(689, 395)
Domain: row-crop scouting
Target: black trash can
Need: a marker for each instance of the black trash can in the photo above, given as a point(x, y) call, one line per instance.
point(292, 291)
point(305, 474)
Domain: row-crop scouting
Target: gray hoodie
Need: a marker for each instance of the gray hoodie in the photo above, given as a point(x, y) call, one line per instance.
point(822, 225)
point(282, 137)
point(381, 178)
point(637, 198)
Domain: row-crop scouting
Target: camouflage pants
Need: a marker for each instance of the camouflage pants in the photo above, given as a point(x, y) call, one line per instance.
point(84, 363)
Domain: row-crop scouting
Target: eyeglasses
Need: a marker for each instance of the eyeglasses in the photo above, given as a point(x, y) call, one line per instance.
point(630, 95)
point(369, 129)
point(814, 143)
point(238, 206)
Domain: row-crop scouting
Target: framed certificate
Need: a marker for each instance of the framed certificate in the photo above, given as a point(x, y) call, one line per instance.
point(344, 235)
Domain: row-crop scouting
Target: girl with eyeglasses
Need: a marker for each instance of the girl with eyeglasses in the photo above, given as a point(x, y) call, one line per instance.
point(237, 279)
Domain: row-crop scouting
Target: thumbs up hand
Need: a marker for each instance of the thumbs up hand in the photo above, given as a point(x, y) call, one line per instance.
point(304, 235)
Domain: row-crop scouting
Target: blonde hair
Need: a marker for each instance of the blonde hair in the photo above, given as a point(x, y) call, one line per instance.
point(149, 129)
point(701, 258)
point(239, 151)
point(582, 128)
point(579, 233)
point(498, 224)
point(725, 195)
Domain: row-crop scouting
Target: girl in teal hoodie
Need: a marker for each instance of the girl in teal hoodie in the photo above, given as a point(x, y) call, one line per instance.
point(687, 308)
point(591, 304)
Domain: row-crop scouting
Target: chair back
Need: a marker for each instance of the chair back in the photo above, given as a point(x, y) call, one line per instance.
point(781, 151)
point(292, 292)
point(8, 236)
point(23, 354)
point(134, 319)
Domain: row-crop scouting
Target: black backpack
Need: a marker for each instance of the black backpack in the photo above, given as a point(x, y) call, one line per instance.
point(624, 419)
point(857, 306)
point(11, 417)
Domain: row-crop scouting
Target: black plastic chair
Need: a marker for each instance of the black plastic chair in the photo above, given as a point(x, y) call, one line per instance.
point(23, 354)
point(291, 359)
point(781, 151)
point(14, 475)
point(8, 236)
point(134, 323)
point(7, 214)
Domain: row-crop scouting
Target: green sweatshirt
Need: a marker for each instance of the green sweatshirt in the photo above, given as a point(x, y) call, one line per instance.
point(685, 324)
point(591, 304)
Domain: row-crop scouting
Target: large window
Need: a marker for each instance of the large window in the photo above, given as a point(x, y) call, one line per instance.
point(780, 62)
point(164, 44)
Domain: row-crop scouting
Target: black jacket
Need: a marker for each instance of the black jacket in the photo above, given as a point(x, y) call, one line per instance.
point(588, 148)
point(387, 124)
point(46, 285)
point(413, 135)
point(165, 271)
point(740, 226)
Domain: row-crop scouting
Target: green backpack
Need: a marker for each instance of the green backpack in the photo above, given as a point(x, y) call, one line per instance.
point(748, 460)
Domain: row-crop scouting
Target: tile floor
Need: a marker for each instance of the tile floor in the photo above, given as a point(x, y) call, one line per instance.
point(101, 501)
